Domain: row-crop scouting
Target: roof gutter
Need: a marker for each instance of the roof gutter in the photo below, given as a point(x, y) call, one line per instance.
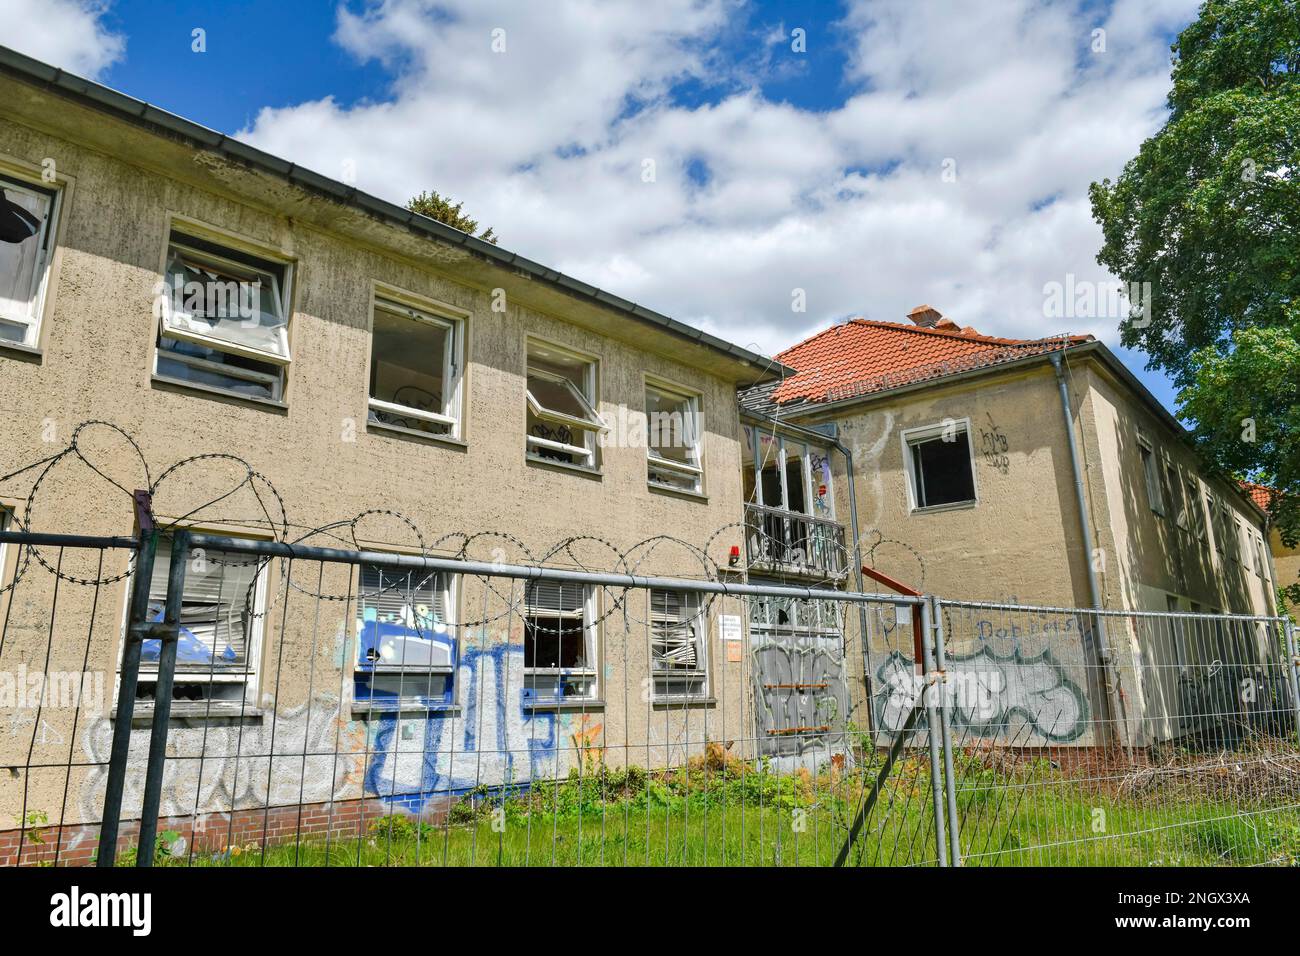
point(150, 117)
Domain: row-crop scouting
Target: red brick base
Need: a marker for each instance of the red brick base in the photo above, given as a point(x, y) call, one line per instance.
point(77, 844)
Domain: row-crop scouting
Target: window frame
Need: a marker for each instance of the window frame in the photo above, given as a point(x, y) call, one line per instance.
point(1151, 466)
point(694, 403)
point(920, 434)
point(47, 244)
point(591, 647)
point(276, 382)
point(449, 591)
point(590, 401)
point(453, 366)
point(699, 625)
point(250, 676)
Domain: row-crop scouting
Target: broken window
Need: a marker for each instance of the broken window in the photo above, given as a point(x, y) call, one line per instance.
point(678, 646)
point(1151, 474)
point(26, 245)
point(224, 319)
point(1174, 495)
point(406, 650)
point(941, 465)
point(562, 420)
point(559, 642)
point(415, 369)
point(673, 439)
point(222, 613)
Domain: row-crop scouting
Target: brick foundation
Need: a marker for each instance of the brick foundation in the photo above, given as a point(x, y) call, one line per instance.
point(77, 844)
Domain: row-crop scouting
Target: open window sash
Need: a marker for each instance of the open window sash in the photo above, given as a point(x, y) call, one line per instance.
point(448, 363)
point(588, 420)
point(263, 335)
point(22, 267)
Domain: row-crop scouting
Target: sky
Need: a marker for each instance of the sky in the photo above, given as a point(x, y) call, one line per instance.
point(761, 169)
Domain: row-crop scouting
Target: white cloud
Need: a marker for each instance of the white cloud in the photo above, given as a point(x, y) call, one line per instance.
point(546, 142)
point(65, 33)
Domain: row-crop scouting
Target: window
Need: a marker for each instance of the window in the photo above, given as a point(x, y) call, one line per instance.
point(1215, 519)
point(222, 613)
point(1174, 495)
point(678, 646)
point(406, 651)
point(673, 439)
point(224, 319)
point(26, 243)
point(559, 642)
point(1196, 518)
point(940, 465)
point(1151, 472)
point(562, 420)
point(415, 369)
point(1261, 562)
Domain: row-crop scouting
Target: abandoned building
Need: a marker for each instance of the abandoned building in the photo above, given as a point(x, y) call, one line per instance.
point(370, 379)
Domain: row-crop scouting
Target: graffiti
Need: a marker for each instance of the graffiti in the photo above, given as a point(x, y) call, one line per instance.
point(985, 691)
point(801, 699)
point(994, 445)
point(236, 769)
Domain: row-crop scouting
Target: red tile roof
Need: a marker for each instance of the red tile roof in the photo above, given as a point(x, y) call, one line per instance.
point(862, 356)
point(1260, 494)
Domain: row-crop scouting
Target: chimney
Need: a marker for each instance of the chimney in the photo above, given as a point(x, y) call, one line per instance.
point(926, 316)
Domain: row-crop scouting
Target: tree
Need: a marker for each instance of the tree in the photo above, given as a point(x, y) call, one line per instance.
point(442, 209)
point(1208, 212)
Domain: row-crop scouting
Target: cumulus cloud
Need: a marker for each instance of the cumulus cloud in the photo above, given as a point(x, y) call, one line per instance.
point(954, 169)
point(66, 33)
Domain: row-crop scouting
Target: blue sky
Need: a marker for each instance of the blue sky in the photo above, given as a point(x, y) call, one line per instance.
point(783, 161)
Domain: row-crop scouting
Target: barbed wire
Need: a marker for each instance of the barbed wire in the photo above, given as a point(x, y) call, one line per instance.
point(573, 552)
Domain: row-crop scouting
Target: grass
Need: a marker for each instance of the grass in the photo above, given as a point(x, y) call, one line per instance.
point(722, 811)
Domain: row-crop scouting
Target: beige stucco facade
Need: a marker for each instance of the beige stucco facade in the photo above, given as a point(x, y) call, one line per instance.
point(121, 189)
point(1020, 540)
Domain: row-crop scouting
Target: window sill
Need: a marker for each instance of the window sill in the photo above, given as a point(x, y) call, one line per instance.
point(592, 473)
point(397, 431)
point(936, 509)
point(180, 385)
point(143, 712)
point(22, 352)
point(683, 703)
point(363, 708)
point(697, 496)
point(588, 704)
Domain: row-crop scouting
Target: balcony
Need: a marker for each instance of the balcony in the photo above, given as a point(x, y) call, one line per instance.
point(788, 543)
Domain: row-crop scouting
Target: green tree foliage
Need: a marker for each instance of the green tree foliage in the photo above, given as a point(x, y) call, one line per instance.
point(443, 209)
point(1208, 212)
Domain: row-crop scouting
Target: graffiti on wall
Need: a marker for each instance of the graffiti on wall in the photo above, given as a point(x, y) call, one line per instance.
point(994, 445)
point(987, 692)
point(800, 694)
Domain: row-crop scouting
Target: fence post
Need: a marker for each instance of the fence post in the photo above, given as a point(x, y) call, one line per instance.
point(1293, 673)
point(168, 632)
point(949, 777)
point(931, 674)
point(147, 539)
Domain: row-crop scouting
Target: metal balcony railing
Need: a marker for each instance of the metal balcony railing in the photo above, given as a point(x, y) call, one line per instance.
point(789, 543)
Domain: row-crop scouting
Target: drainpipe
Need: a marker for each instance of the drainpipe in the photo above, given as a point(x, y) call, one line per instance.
point(1089, 546)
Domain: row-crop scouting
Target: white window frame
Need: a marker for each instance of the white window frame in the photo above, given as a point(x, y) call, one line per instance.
point(695, 472)
point(250, 676)
point(699, 672)
point(1151, 465)
point(590, 427)
point(413, 701)
point(924, 433)
point(453, 368)
point(591, 647)
point(1195, 515)
point(169, 329)
point(40, 280)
